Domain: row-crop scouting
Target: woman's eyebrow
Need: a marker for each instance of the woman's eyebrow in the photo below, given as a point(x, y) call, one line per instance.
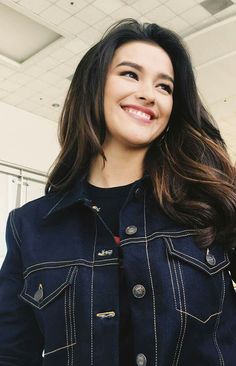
point(140, 68)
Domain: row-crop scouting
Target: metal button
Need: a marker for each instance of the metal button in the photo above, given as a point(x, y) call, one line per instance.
point(210, 258)
point(38, 296)
point(139, 291)
point(131, 230)
point(141, 359)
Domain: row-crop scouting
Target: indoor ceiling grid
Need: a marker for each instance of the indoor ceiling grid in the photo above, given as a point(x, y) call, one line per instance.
point(39, 84)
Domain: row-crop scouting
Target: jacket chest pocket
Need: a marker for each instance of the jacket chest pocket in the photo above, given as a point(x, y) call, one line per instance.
point(197, 278)
point(51, 292)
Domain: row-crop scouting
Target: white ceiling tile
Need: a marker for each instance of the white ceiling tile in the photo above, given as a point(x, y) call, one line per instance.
point(90, 15)
point(9, 85)
point(63, 70)
point(90, 36)
point(177, 24)
point(61, 54)
point(38, 85)
point(47, 63)
point(72, 6)
point(25, 91)
point(40, 99)
point(33, 71)
point(180, 6)
point(205, 23)
point(50, 77)
point(125, 12)
point(74, 25)
point(108, 6)
point(103, 24)
point(5, 71)
point(28, 105)
point(160, 15)
point(13, 98)
point(195, 14)
point(3, 93)
point(74, 61)
point(76, 45)
point(144, 6)
point(55, 14)
point(20, 78)
point(36, 6)
point(52, 91)
point(63, 85)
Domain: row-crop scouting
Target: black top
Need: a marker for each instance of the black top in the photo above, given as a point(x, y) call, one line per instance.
point(110, 202)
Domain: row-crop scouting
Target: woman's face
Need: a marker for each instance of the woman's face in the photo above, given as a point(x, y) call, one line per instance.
point(138, 95)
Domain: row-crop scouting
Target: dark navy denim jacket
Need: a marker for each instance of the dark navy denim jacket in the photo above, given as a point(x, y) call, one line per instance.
point(59, 287)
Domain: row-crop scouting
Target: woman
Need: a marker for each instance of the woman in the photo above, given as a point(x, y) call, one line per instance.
point(125, 261)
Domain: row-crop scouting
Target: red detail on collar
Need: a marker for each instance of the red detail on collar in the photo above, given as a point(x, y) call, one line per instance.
point(117, 240)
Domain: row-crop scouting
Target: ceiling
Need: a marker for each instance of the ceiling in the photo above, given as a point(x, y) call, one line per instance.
point(40, 82)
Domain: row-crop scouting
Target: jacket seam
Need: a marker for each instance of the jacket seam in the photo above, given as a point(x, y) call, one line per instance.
point(59, 349)
point(65, 264)
point(221, 359)
point(14, 230)
point(151, 281)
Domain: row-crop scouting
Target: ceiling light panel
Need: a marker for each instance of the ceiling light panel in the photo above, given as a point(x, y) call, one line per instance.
point(22, 37)
point(215, 6)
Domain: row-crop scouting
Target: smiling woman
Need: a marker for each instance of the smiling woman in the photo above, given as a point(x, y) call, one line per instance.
point(127, 259)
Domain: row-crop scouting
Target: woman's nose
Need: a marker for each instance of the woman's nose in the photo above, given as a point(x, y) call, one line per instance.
point(147, 93)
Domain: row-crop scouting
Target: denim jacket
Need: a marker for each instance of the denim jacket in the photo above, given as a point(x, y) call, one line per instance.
point(59, 299)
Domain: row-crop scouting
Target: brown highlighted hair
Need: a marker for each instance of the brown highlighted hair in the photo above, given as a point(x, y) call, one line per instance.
point(192, 175)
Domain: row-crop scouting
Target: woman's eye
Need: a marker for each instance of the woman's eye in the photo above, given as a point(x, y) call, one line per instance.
point(130, 74)
point(166, 87)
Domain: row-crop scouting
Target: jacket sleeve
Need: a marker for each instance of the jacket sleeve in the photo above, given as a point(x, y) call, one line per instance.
point(21, 342)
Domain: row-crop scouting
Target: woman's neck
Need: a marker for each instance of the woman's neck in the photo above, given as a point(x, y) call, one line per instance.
point(119, 170)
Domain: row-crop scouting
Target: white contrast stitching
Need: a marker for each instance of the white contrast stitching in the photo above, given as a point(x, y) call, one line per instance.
point(75, 338)
point(185, 318)
point(67, 264)
point(222, 363)
point(156, 235)
point(195, 317)
point(92, 288)
point(151, 280)
point(67, 340)
point(13, 229)
point(202, 265)
point(172, 284)
point(81, 264)
point(181, 319)
point(62, 198)
point(71, 327)
point(59, 349)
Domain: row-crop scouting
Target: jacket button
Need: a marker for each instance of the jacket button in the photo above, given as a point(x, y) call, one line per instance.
point(210, 258)
point(139, 291)
point(141, 359)
point(131, 230)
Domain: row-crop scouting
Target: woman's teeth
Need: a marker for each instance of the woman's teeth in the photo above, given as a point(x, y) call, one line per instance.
point(138, 113)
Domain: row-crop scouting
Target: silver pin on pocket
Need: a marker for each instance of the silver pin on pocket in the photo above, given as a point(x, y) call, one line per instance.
point(210, 258)
point(38, 296)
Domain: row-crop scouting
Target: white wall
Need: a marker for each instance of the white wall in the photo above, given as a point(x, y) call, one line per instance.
point(26, 139)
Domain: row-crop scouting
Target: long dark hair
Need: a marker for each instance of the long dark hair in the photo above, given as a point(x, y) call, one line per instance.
point(191, 172)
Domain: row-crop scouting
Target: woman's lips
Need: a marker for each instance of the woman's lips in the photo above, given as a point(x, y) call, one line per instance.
point(137, 114)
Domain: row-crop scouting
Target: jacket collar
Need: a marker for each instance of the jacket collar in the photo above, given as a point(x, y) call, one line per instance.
point(78, 194)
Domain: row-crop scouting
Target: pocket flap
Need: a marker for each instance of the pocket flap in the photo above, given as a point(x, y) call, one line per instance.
point(43, 285)
point(210, 261)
